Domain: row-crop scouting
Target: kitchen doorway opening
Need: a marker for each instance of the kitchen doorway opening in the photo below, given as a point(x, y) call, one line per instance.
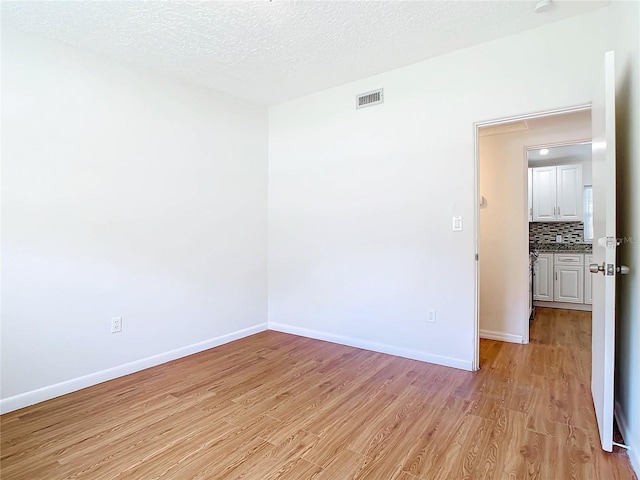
point(504, 207)
point(560, 219)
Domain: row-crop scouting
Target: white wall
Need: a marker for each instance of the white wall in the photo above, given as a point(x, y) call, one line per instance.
point(361, 202)
point(504, 226)
point(123, 194)
point(624, 26)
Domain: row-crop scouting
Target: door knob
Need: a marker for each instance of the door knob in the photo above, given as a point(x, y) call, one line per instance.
point(595, 268)
point(622, 270)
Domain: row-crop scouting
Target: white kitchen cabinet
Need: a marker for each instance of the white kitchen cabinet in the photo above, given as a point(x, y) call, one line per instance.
point(557, 193)
point(563, 278)
point(588, 286)
point(544, 194)
point(569, 284)
point(568, 281)
point(543, 279)
point(569, 196)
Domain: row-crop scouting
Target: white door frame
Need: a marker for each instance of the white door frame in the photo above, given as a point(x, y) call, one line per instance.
point(524, 233)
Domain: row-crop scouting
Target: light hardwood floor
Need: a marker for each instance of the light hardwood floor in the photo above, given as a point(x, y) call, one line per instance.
point(276, 406)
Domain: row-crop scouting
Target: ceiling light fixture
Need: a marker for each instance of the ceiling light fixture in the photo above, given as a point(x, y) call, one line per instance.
point(542, 6)
point(544, 151)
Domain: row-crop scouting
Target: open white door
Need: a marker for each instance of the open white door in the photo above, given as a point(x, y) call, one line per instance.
point(604, 250)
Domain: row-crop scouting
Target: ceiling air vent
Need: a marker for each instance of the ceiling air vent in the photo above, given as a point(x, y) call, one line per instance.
point(369, 99)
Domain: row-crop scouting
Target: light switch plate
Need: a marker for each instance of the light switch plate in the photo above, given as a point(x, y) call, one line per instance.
point(457, 224)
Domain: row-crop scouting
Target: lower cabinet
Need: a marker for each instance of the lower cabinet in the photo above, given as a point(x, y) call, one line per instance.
point(543, 278)
point(568, 284)
point(562, 277)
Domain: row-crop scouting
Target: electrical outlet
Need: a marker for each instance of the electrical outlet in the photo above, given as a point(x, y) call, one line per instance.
point(116, 325)
point(431, 316)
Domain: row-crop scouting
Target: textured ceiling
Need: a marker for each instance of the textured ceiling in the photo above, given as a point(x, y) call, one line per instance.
point(270, 52)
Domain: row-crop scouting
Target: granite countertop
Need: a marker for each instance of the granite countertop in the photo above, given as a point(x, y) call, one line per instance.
point(562, 247)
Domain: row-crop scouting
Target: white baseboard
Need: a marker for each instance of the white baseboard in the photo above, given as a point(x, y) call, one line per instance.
point(632, 443)
point(500, 336)
point(10, 404)
point(564, 305)
point(376, 347)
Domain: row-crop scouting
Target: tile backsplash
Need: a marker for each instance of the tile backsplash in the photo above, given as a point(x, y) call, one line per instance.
point(545, 232)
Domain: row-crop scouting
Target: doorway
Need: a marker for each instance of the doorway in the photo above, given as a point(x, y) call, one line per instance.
point(503, 294)
point(560, 216)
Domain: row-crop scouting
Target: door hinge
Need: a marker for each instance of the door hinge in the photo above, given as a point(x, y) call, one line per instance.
point(476, 257)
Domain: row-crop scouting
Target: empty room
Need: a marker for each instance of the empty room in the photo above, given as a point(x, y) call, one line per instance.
point(281, 239)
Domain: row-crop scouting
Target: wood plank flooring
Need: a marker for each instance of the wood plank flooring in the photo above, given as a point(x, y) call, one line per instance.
point(276, 406)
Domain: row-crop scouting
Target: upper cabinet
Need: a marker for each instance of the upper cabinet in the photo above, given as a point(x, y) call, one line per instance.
point(569, 193)
point(557, 193)
point(544, 193)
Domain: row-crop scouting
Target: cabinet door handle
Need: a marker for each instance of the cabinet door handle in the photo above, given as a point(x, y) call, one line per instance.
point(556, 275)
point(558, 211)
